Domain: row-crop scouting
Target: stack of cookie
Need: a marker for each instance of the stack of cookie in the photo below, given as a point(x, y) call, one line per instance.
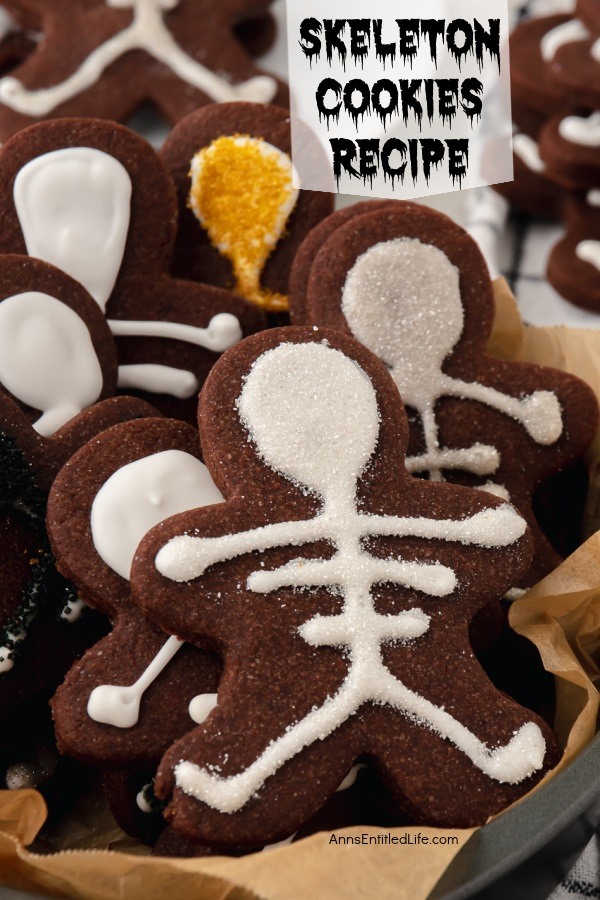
point(299, 597)
point(555, 67)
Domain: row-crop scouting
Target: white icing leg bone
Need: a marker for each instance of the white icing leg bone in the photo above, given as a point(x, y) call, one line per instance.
point(115, 705)
point(326, 451)
point(158, 380)
point(149, 33)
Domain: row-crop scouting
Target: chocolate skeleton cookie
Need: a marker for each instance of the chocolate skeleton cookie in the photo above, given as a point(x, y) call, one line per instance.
point(339, 590)
point(589, 13)
point(414, 288)
point(58, 367)
point(574, 263)
point(241, 218)
point(133, 694)
point(103, 58)
point(93, 198)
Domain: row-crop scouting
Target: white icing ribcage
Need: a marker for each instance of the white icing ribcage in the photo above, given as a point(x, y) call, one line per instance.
point(327, 456)
point(147, 32)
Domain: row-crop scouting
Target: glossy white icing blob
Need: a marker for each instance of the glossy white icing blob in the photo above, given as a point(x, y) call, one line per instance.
point(47, 359)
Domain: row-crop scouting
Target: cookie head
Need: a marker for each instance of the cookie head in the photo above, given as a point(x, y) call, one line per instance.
point(57, 354)
point(414, 300)
point(244, 229)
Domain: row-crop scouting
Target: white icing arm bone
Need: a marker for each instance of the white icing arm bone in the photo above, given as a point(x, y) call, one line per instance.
point(185, 557)
point(223, 332)
point(115, 705)
point(431, 578)
point(480, 459)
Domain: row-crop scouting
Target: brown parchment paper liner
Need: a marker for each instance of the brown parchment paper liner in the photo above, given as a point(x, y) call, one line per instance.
point(561, 615)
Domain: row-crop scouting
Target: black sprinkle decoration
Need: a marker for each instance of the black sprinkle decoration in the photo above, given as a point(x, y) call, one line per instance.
point(21, 498)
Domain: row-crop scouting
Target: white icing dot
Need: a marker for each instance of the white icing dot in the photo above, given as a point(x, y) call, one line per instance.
point(200, 707)
point(141, 800)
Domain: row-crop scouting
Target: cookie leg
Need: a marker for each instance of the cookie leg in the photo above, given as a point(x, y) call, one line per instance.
point(459, 789)
point(287, 798)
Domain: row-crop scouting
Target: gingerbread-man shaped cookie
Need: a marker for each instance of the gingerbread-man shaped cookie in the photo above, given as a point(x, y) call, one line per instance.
point(339, 589)
point(413, 287)
point(93, 199)
point(103, 58)
point(132, 695)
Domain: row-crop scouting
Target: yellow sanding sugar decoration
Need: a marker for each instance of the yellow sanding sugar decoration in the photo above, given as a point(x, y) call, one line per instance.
point(243, 194)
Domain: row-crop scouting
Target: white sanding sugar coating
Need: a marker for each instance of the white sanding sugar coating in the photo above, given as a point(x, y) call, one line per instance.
point(140, 495)
point(570, 31)
point(402, 300)
point(312, 414)
point(132, 501)
point(528, 152)
point(581, 130)
point(147, 32)
point(47, 359)
point(74, 209)
point(589, 252)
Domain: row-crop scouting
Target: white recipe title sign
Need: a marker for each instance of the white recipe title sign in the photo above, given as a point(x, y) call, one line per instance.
point(389, 106)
